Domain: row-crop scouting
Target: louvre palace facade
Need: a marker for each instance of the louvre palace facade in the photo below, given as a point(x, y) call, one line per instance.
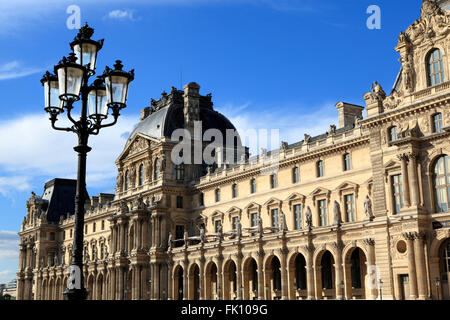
point(360, 212)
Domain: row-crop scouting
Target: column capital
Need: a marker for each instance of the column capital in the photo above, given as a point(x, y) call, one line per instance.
point(338, 245)
point(409, 235)
point(309, 248)
point(412, 155)
point(402, 156)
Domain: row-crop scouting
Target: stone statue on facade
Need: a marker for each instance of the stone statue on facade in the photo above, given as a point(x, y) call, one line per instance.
point(407, 73)
point(163, 163)
point(94, 253)
point(368, 208)
point(86, 254)
point(202, 234)
point(239, 230)
point(337, 214)
point(120, 181)
point(283, 223)
point(140, 204)
point(377, 91)
point(123, 207)
point(260, 226)
point(308, 218)
point(186, 238)
point(169, 241)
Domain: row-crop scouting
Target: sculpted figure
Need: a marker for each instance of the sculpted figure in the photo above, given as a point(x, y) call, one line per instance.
point(378, 91)
point(407, 74)
point(368, 208)
point(119, 181)
point(169, 241)
point(337, 214)
point(260, 226)
point(308, 218)
point(283, 224)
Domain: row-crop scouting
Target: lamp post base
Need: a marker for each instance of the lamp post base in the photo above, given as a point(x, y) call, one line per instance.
point(75, 294)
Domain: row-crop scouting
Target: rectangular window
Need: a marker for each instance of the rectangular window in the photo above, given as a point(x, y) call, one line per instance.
point(234, 190)
point(85, 229)
point(94, 227)
point(217, 195)
point(437, 121)
point(179, 232)
point(320, 169)
point(275, 219)
point(64, 235)
point(202, 199)
point(52, 236)
point(71, 231)
point(273, 181)
point(350, 207)
point(347, 162)
point(103, 224)
point(296, 175)
point(235, 222)
point(217, 225)
point(253, 186)
point(254, 219)
point(323, 218)
point(397, 189)
point(298, 216)
point(179, 202)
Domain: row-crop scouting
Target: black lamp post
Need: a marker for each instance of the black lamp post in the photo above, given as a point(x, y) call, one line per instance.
point(68, 84)
point(437, 284)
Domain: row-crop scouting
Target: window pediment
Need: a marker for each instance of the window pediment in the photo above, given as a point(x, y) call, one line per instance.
point(320, 192)
point(234, 211)
point(347, 187)
point(296, 197)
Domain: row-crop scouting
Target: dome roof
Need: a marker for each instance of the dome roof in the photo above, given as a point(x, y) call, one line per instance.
point(167, 115)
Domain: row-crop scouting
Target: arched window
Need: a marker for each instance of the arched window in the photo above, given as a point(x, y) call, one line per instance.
point(320, 168)
point(437, 123)
point(156, 170)
point(435, 68)
point(179, 171)
point(393, 134)
point(141, 175)
point(442, 184)
point(126, 181)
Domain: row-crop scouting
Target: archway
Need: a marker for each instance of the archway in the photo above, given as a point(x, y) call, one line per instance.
point(58, 295)
point(99, 293)
point(51, 289)
point(444, 269)
point(211, 284)
point(194, 282)
point(90, 287)
point(230, 281)
point(356, 274)
point(273, 278)
point(325, 276)
point(250, 279)
point(297, 277)
point(178, 283)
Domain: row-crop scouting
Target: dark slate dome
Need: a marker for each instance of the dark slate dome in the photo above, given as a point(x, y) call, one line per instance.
point(167, 115)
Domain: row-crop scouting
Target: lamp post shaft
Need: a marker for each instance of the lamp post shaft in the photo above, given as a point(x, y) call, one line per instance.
point(80, 198)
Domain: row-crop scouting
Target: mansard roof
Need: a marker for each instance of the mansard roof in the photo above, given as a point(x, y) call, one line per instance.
point(167, 114)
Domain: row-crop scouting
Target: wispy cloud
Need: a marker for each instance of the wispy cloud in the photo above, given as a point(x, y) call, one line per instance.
point(39, 151)
point(122, 15)
point(290, 119)
point(9, 245)
point(15, 69)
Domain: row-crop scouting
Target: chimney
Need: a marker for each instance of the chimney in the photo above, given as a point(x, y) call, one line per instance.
point(347, 113)
point(191, 103)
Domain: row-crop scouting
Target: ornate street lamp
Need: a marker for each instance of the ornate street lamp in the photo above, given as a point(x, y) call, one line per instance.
point(68, 84)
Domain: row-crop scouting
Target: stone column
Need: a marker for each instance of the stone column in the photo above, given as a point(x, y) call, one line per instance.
point(202, 279)
point(22, 253)
point(370, 246)
point(260, 276)
point(310, 271)
point(121, 283)
point(411, 265)
point(413, 178)
point(284, 279)
point(405, 181)
point(240, 283)
point(339, 277)
point(420, 266)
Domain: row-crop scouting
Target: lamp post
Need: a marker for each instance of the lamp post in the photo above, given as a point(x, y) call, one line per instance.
point(68, 84)
point(437, 283)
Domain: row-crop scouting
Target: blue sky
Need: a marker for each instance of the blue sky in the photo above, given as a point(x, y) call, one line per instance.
point(279, 62)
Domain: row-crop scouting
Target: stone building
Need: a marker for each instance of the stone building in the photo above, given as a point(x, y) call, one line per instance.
point(360, 212)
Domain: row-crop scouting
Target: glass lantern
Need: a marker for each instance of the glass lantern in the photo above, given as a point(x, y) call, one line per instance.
point(70, 76)
point(51, 92)
point(85, 49)
point(97, 101)
point(117, 83)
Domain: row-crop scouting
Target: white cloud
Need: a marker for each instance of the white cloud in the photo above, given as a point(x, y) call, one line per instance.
point(37, 150)
point(291, 121)
point(122, 15)
point(7, 275)
point(15, 69)
point(9, 245)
